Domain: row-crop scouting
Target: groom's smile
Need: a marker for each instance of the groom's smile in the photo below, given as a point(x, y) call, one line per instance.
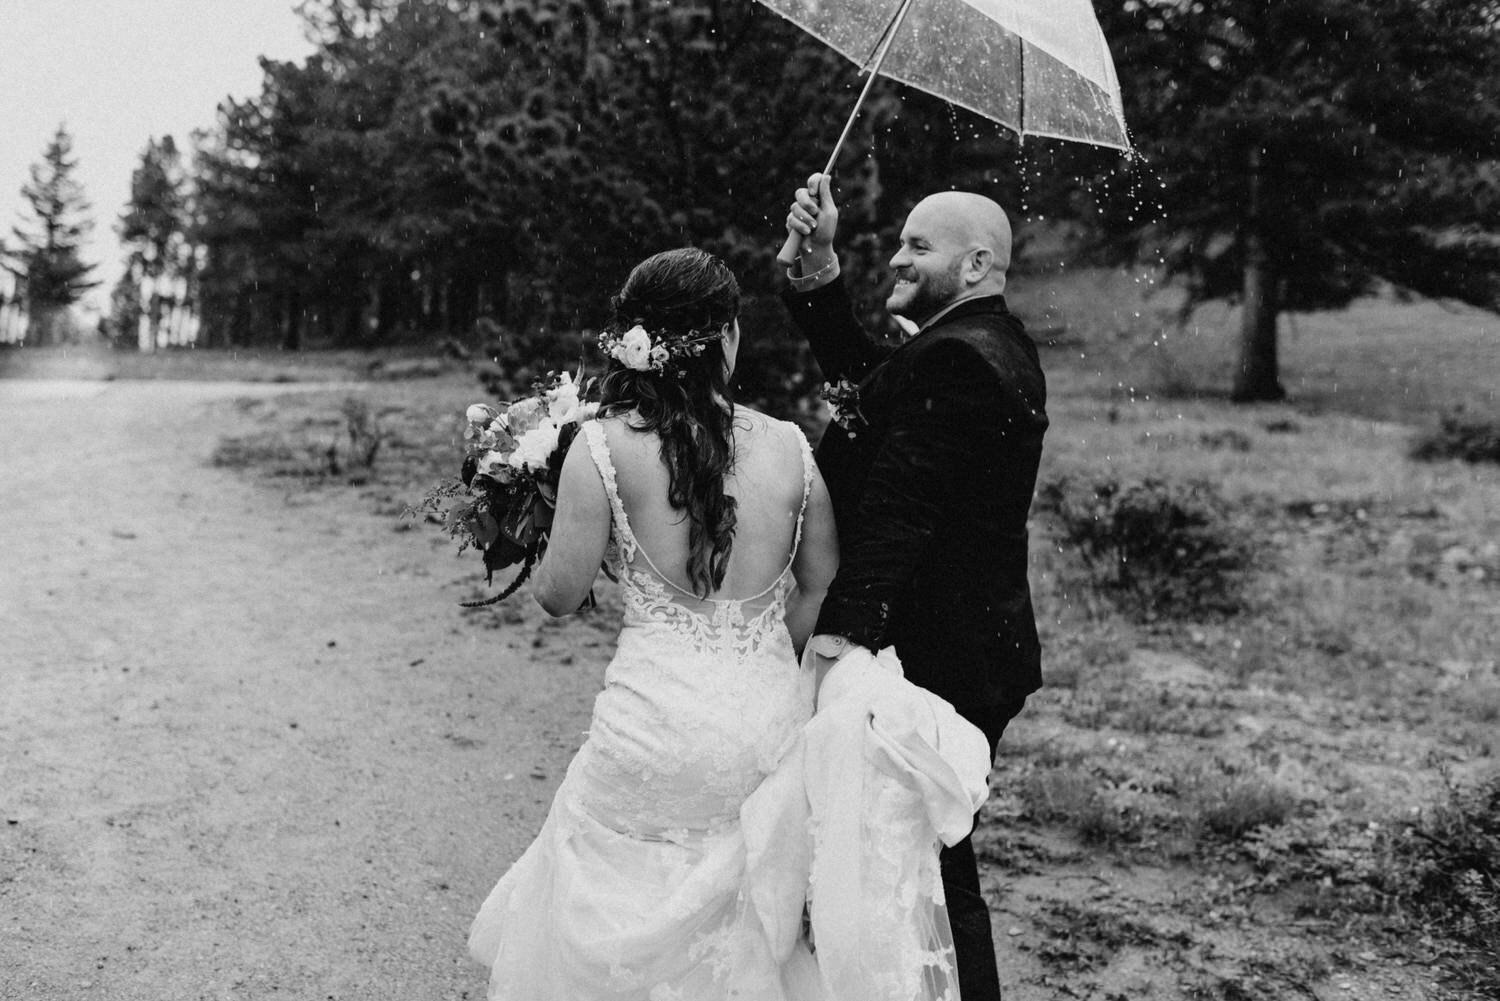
point(926, 285)
point(929, 264)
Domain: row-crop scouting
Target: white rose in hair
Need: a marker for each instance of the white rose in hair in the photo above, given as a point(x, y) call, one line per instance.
point(634, 349)
point(562, 402)
point(536, 446)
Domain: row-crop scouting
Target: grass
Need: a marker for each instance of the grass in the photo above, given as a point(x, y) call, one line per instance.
point(1381, 358)
point(1364, 663)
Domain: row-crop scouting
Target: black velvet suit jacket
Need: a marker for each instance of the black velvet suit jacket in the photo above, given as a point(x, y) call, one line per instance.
point(931, 496)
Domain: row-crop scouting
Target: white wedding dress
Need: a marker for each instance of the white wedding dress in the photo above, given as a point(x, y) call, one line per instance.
point(640, 887)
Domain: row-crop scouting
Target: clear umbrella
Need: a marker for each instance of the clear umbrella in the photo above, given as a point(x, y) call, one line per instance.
point(1038, 67)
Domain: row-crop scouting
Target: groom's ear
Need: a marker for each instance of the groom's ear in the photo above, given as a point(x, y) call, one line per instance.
point(983, 263)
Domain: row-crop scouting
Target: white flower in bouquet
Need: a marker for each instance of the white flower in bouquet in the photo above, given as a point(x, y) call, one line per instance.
point(481, 414)
point(562, 400)
point(524, 415)
point(634, 350)
point(534, 448)
point(491, 464)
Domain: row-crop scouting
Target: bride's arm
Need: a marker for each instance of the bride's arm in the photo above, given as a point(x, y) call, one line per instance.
point(580, 533)
point(813, 567)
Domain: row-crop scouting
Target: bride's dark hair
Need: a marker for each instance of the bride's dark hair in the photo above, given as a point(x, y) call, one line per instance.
point(689, 404)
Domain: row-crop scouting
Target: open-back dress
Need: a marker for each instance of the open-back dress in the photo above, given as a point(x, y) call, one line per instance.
point(632, 890)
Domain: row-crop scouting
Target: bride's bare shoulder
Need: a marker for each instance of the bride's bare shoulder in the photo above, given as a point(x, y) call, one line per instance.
point(760, 423)
point(751, 420)
point(771, 442)
point(624, 429)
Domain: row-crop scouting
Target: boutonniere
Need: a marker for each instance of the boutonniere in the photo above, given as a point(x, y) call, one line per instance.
point(842, 398)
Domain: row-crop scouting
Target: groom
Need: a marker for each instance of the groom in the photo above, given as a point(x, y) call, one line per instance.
point(931, 463)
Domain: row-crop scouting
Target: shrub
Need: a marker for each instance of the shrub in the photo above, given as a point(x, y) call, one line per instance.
point(1471, 439)
point(258, 450)
point(514, 359)
point(1073, 797)
point(1225, 439)
point(1446, 867)
point(1234, 809)
point(1439, 875)
point(365, 437)
point(1159, 549)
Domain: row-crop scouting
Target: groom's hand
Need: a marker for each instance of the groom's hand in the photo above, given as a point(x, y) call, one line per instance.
point(823, 651)
point(814, 215)
point(815, 218)
point(829, 646)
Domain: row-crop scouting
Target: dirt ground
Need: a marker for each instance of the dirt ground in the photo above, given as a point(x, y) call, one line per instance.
point(250, 747)
point(245, 750)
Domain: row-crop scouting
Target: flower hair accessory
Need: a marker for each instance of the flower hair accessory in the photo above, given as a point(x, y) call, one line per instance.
point(641, 351)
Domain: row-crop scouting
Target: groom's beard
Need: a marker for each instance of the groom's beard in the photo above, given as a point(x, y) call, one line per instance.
point(917, 296)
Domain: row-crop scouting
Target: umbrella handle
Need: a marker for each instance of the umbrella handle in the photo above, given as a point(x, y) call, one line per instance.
point(793, 245)
point(787, 256)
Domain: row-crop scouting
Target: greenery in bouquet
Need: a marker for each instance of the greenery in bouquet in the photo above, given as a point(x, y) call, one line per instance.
point(504, 501)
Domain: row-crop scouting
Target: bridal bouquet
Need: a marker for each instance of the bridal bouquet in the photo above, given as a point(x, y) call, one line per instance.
point(513, 456)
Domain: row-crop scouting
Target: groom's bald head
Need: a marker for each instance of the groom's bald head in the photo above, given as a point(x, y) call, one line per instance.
point(954, 245)
point(970, 219)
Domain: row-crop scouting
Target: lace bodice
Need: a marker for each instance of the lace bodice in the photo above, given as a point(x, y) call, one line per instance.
point(730, 627)
point(649, 883)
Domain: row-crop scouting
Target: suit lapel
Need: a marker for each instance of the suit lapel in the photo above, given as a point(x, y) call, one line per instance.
point(978, 306)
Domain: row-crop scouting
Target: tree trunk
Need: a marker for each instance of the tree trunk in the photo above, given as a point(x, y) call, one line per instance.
point(387, 306)
point(48, 324)
point(153, 323)
point(1256, 377)
point(291, 332)
point(463, 291)
point(353, 334)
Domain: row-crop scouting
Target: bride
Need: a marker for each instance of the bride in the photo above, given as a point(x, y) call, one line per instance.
point(720, 530)
point(708, 806)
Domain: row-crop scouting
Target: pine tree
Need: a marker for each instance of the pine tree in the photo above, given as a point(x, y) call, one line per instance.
point(1303, 150)
point(47, 259)
point(434, 164)
point(153, 229)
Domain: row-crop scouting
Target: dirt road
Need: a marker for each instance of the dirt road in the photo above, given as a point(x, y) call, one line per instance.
point(245, 749)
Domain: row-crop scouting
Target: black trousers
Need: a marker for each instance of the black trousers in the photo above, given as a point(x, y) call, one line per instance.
point(973, 939)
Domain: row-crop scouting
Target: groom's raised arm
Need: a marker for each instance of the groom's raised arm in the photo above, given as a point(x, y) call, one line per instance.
point(818, 299)
point(825, 316)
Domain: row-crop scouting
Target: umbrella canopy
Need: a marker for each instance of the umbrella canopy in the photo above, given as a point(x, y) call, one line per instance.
point(1038, 67)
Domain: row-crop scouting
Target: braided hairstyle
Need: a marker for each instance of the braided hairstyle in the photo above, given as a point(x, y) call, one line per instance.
point(689, 405)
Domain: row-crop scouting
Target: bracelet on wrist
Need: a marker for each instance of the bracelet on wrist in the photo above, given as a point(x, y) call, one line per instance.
point(833, 263)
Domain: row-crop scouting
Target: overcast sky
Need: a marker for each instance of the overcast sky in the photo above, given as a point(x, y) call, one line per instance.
point(119, 72)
